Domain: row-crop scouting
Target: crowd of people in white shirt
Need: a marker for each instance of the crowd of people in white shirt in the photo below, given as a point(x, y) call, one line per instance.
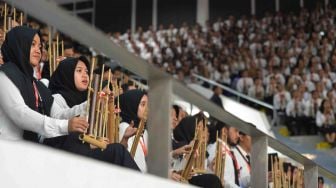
point(287, 60)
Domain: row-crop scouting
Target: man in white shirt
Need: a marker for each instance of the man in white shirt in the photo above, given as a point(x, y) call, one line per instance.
point(280, 101)
point(244, 83)
point(243, 152)
point(311, 108)
point(295, 112)
point(231, 169)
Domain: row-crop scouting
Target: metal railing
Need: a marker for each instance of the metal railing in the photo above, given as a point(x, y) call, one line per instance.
point(161, 88)
point(234, 92)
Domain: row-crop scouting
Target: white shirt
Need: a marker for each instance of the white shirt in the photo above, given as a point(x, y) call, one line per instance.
point(16, 116)
point(61, 110)
point(295, 108)
point(281, 103)
point(139, 158)
point(312, 107)
point(244, 84)
point(256, 92)
point(245, 174)
point(322, 119)
point(229, 173)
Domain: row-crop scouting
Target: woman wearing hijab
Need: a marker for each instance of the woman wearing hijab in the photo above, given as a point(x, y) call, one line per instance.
point(69, 85)
point(25, 103)
point(133, 104)
point(183, 134)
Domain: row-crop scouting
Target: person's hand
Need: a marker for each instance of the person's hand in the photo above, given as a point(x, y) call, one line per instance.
point(105, 140)
point(175, 176)
point(59, 59)
point(130, 131)
point(182, 150)
point(77, 124)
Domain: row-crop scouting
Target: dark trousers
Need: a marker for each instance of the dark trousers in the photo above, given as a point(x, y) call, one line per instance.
point(295, 125)
point(114, 153)
point(206, 181)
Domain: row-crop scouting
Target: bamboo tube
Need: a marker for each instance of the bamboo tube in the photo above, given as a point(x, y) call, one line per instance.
point(100, 123)
point(139, 133)
point(117, 117)
point(5, 21)
point(57, 46)
point(9, 23)
point(106, 114)
point(87, 111)
point(21, 18)
point(93, 104)
point(49, 53)
point(54, 56)
point(88, 139)
point(62, 48)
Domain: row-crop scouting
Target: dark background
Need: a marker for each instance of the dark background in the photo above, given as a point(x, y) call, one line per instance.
point(115, 15)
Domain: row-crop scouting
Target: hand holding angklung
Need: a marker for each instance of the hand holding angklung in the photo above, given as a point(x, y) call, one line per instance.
point(77, 124)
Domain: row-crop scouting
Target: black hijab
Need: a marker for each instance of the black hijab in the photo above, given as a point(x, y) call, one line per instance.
point(129, 103)
point(185, 130)
point(16, 56)
point(63, 81)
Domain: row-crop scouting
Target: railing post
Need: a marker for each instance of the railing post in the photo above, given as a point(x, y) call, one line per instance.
point(259, 161)
point(310, 176)
point(159, 142)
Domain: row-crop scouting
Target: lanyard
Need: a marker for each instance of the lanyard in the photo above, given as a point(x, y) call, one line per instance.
point(36, 95)
point(234, 159)
point(246, 160)
point(143, 146)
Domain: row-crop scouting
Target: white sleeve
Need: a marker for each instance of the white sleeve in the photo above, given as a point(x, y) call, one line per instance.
point(251, 91)
point(122, 128)
point(61, 110)
point(276, 102)
point(319, 119)
point(240, 85)
point(229, 174)
point(289, 108)
point(24, 117)
point(307, 108)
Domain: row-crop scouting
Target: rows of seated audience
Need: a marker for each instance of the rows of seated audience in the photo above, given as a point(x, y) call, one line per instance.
point(287, 60)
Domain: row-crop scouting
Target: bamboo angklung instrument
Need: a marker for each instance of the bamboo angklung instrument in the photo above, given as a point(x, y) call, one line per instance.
point(200, 166)
point(113, 124)
point(139, 133)
point(189, 158)
point(220, 156)
point(92, 113)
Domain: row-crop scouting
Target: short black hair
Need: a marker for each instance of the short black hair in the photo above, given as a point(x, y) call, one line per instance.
point(321, 179)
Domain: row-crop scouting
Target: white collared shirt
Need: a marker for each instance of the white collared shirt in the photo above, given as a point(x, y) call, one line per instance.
point(61, 110)
point(245, 174)
point(16, 116)
point(139, 158)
